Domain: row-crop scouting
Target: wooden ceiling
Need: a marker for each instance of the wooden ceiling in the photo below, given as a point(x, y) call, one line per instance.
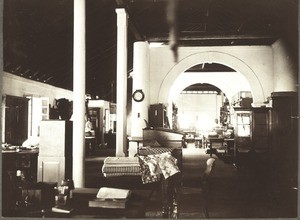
point(38, 34)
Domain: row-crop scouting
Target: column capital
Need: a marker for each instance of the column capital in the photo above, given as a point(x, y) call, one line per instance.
point(121, 11)
point(122, 17)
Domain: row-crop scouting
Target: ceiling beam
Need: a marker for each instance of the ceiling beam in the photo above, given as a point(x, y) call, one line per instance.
point(212, 37)
point(132, 26)
point(135, 31)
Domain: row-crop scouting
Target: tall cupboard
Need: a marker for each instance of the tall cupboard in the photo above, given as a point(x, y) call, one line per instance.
point(55, 151)
point(252, 134)
point(284, 151)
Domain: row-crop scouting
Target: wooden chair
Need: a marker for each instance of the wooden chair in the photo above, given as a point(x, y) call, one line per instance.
point(210, 163)
point(201, 193)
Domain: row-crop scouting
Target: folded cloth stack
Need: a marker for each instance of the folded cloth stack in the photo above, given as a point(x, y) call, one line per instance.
point(121, 166)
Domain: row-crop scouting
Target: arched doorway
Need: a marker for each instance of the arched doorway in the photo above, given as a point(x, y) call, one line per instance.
point(165, 91)
point(227, 80)
point(198, 106)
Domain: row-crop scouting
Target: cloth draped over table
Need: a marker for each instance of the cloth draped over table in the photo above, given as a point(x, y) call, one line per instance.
point(152, 166)
point(158, 163)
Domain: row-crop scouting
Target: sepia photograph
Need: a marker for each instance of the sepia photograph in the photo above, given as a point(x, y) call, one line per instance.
point(183, 109)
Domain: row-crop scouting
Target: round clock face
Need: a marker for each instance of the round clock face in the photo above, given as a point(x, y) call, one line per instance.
point(138, 95)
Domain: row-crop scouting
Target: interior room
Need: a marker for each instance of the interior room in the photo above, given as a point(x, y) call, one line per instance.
point(149, 109)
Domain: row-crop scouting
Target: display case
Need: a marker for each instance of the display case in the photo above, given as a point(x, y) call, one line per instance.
point(261, 129)
point(243, 130)
point(252, 135)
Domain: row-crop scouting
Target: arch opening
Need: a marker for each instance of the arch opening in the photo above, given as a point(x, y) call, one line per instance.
point(201, 94)
point(230, 61)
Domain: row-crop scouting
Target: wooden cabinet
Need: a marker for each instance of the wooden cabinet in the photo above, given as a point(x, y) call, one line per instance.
point(25, 162)
point(243, 130)
point(252, 129)
point(158, 116)
point(252, 136)
point(261, 130)
point(242, 99)
point(18, 168)
point(284, 143)
point(55, 156)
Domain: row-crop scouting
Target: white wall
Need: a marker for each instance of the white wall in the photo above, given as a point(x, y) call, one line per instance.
point(283, 67)
point(266, 68)
point(19, 86)
point(254, 62)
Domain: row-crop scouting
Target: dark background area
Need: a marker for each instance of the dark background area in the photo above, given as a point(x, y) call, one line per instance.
point(38, 35)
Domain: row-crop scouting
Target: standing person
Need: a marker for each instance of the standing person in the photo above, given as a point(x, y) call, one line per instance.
point(217, 123)
point(88, 127)
point(110, 138)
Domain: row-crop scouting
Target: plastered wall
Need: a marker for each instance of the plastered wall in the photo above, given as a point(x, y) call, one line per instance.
point(19, 86)
point(256, 63)
point(283, 67)
point(260, 69)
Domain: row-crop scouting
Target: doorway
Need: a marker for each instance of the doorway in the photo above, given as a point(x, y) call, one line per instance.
point(16, 119)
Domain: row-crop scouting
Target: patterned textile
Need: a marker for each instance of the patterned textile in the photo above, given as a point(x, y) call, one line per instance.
point(154, 165)
point(145, 171)
point(121, 168)
point(157, 150)
point(168, 165)
point(120, 174)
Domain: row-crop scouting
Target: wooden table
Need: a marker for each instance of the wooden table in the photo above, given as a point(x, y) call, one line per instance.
point(90, 141)
point(230, 145)
point(80, 198)
point(214, 140)
point(23, 160)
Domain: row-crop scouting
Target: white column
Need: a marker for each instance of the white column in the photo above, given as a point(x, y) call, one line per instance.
point(79, 93)
point(2, 109)
point(140, 82)
point(122, 20)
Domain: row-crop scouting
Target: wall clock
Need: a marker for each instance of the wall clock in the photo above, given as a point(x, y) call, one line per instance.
point(138, 95)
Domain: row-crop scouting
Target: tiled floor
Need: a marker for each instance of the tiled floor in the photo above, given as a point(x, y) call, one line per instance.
point(234, 193)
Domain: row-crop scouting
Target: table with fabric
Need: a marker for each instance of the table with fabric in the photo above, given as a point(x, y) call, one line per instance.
point(155, 165)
